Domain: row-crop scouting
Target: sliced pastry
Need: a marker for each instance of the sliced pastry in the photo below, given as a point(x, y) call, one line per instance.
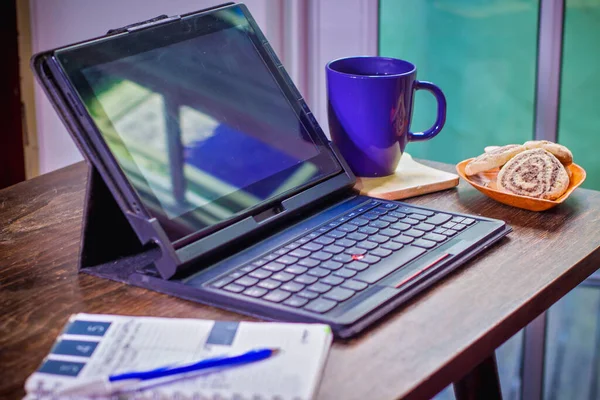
point(534, 173)
point(493, 159)
point(563, 154)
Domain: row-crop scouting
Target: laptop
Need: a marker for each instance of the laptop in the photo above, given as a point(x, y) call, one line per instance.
point(214, 158)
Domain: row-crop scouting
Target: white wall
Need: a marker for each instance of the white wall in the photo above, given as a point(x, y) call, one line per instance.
point(56, 23)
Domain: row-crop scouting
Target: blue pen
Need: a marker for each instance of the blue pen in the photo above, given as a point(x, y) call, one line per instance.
point(125, 381)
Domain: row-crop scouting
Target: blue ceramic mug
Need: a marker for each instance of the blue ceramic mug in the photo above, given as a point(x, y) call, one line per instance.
point(370, 101)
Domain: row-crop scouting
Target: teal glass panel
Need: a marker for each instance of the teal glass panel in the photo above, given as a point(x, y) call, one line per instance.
point(482, 53)
point(579, 116)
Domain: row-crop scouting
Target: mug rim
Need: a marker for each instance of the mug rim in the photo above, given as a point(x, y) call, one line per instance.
point(357, 76)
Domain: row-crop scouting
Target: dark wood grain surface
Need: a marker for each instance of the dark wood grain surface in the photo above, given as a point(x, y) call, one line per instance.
point(413, 353)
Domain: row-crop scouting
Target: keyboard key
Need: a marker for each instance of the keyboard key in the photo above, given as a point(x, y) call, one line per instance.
point(308, 262)
point(320, 305)
point(345, 273)
point(425, 227)
point(336, 234)
point(348, 228)
point(308, 294)
point(439, 230)
point(448, 225)
point(318, 272)
point(270, 257)
point(296, 269)
point(359, 221)
point(305, 279)
point(343, 258)
point(371, 216)
point(312, 246)
point(299, 253)
point(255, 292)
point(425, 212)
point(357, 266)
point(354, 285)
point(295, 302)
point(283, 276)
point(277, 296)
point(331, 265)
point(457, 220)
point(379, 239)
point(389, 206)
point(450, 232)
point(287, 260)
point(260, 273)
point(269, 284)
point(427, 244)
point(325, 240)
point(418, 216)
point(468, 221)
point(292, 246)
point(435, 237)
point(389, 232)
point(388, 218)
point(232, 287)
point(357, 236)
point(439, 219)
point(401, 226)
point(345, 242)
point(370, 259)
point(248, 268)
point(292, 287)
point(281, 251)
point(236, 274)
point(219, 283)
point(313, 235)
point(392, 245)
point(411, 221)
point(396, 261)
point(274, 266)
point(333, 249)
point(332, 280)
point(355, 250)
point(459, 227)
point(368, 230)
point(414, 233)
point(339, 294)
point(319, 287)
point(379, 210)
point(397, 214)
point(367, 245)
point(379, 224)
point(381, 252)
point(321, 255)
point(323, 229)
point(404, 239)
point(260, 263)
point(247, 281)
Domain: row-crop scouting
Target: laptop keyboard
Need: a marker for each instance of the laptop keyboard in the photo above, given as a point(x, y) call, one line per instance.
point(343, 257)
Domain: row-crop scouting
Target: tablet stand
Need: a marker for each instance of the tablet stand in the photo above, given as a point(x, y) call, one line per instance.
point(109, 246)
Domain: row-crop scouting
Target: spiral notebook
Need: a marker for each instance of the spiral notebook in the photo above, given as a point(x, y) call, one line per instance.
point(92, 346)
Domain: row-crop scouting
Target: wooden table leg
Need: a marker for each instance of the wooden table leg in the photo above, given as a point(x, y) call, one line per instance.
point(480, 383)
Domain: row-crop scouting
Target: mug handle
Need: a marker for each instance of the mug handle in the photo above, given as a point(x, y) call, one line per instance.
point(441, 113)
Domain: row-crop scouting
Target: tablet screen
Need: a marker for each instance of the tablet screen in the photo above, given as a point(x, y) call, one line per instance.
point(197, 120)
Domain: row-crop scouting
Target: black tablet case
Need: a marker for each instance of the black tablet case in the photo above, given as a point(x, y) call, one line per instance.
point(109, 246)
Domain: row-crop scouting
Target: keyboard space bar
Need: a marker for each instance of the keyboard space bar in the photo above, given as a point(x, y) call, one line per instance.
point(390, 264)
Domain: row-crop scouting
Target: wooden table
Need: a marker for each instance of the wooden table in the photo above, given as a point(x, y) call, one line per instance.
point(414, 353)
